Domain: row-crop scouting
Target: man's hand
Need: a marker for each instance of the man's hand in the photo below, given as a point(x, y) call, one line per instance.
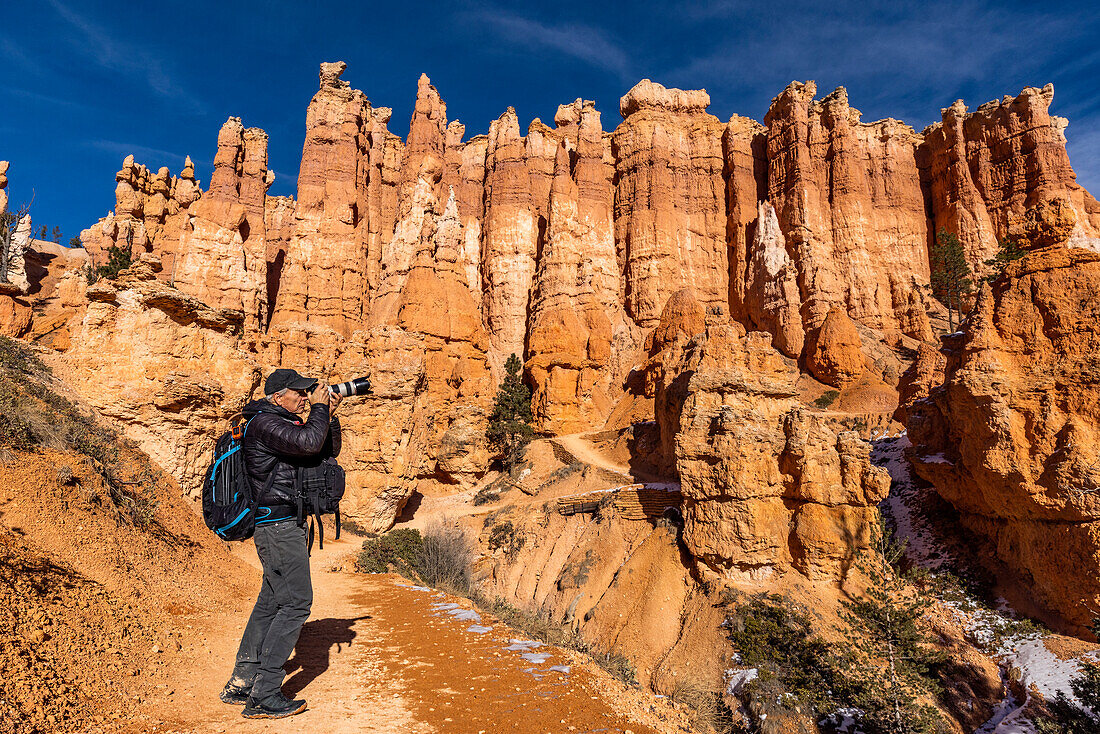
point(334, 402)
point(321, 395)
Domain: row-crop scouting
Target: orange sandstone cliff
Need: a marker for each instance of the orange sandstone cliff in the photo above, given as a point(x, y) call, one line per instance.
point(426, 262)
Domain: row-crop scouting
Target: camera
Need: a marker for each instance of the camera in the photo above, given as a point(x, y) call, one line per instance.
point(357, 386)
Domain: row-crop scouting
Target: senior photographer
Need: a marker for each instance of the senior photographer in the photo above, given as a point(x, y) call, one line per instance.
point(277, 444)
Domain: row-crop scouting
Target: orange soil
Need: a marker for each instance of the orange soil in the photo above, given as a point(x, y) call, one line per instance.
point(106, 627)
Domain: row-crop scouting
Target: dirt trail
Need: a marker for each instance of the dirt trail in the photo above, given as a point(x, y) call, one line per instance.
point(584, 451)
point(380, 655)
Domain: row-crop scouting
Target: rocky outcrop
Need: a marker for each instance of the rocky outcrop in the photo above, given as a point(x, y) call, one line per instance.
point(670, 213)
point(1010, 437)
point(919, 380)
point(577, 320)
point(767, 485)
point(323, 286)
point(982, 169)
point(221, 258)
point(836, 357)
point(166, 367)
point(851, 211)
point(150, 214)
point(430, 260)
point(510, 236)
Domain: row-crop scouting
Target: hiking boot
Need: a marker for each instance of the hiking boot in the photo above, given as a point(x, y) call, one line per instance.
point(234, 693)
point(275, 706)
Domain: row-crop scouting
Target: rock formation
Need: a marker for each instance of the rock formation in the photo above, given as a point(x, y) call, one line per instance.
point(849, 206)
point(982, 169)
point(222, 251)
point(767, 485)
point(837, 356)
point(427, 261)
point(150, 214)
point(3, 187)
point(670, 223)
point(167, 367)
point(1010, 437)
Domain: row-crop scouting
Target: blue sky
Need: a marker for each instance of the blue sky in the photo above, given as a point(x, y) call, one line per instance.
point(85, 83)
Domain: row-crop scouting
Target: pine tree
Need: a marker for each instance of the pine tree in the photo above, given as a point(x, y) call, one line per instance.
point(891, 656)
point(55, 235)
point(1007, 251)
point(118, 259)
point(75, 242)
point(951, 282)
point(510, 429)
point(1070, 717)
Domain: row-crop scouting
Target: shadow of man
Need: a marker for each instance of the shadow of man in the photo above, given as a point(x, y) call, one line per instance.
point(312, 654)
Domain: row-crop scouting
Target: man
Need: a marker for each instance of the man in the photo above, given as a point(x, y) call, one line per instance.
point(276, 444)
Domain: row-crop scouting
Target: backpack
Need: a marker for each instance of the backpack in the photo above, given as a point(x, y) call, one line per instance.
point(228, 506)
point(320, 489)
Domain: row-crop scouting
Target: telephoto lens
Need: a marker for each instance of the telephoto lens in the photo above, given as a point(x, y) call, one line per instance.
point(358, 386)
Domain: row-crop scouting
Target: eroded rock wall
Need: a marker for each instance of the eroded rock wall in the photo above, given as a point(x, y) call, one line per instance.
point(427, 261)
point(982, 169)
point(1010, 438)
point(767, 485)
point(850, 210)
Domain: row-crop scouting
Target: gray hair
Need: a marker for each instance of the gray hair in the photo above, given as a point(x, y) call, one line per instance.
point(276, 394)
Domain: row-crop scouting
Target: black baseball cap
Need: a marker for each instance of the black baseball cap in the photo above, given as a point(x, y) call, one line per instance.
point(284, 378)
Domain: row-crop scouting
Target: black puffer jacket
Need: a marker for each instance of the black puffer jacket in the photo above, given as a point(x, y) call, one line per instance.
point(278, 441)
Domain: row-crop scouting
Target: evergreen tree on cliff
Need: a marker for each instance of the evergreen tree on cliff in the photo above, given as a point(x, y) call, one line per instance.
point(510, 427)
point(951, 282)
point(890, 655)
point(1008, 250)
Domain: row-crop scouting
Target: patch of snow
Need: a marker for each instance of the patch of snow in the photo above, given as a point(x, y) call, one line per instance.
point(936, 459)
point(411, 587)
point(560, 669)
point(1007, 709)
point(523, 645)
point(665, 486)
point(456, 611)
point(538, 658)
point(465, 615)
point(844, 720)
point(478, 629)
point(902, 503)
point(1041, 668)
point(736, 680)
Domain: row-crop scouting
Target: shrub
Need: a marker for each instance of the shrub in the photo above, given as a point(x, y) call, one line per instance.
point(709, 711)
point(827, 398)
point(447, 558)
point(400, 549)
point(506, 536)
point(118, 259)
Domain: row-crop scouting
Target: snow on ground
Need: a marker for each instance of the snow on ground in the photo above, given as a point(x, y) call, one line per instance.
point(903, 503)
point(1037, 666)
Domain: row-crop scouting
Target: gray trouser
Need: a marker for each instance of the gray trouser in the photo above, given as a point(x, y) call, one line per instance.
point(281, 608)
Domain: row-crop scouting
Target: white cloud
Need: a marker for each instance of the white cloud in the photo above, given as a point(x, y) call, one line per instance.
point(578, 41)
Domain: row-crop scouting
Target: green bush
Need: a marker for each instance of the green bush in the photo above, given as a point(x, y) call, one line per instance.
point(827, 398)
point(398, 549)
point(509, 429)
point(118, 259)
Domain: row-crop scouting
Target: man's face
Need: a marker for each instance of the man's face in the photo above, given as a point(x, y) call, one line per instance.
point(296, 401)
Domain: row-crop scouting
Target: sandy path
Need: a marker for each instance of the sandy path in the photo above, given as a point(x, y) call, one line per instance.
point(580, 447)
point(377, 655)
